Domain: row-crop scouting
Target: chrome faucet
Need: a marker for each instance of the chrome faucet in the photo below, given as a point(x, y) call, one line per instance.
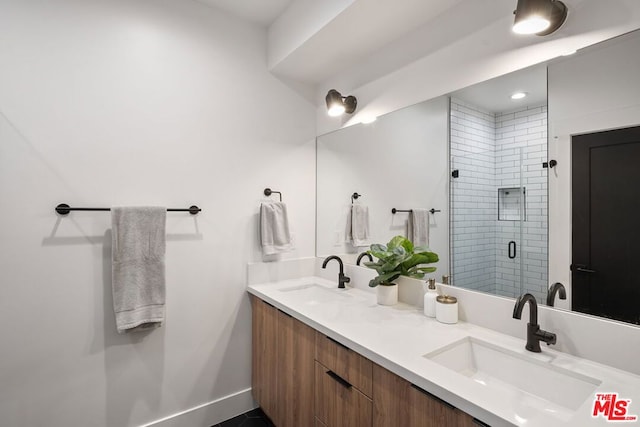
point(362, 255)
point(534, 333)
point(551, 293)
point(342, 279)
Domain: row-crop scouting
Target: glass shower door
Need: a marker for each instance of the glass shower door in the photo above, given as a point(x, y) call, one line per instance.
point(488, 200)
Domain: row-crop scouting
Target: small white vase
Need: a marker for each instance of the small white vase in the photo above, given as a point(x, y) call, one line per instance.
point(387, 295)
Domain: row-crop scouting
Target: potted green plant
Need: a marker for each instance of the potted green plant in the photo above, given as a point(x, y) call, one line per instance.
point(398, 258)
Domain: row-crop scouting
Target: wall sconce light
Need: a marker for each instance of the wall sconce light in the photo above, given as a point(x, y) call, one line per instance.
point(338, 104)
point(540, 17)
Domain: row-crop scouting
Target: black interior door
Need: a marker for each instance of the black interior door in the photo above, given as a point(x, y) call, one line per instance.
point(605, 276)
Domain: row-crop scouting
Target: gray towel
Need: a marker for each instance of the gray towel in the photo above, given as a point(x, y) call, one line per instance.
point(418, 227)
point(274, 228)
point(357, 232)
point(138, 282)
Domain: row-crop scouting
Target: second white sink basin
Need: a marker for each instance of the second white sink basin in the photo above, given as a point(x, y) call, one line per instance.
point(534, 381)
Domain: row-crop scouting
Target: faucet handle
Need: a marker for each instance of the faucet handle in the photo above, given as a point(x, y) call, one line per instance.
point(547, 337)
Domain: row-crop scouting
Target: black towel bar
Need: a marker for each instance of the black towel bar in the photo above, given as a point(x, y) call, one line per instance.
point(394, 210)
point(64, 209)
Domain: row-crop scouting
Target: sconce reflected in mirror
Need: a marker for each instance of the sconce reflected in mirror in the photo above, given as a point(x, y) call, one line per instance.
point(338, 104)
point(540, 17)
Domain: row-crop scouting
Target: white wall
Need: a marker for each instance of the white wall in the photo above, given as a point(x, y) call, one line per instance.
point(594, 91)
point(399, 161)
point(130, 102)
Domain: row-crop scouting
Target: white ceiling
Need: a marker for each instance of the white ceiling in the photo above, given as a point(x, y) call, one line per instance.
point(361, 29)
point(364, 45)
point(262, 12)
point(495, 95)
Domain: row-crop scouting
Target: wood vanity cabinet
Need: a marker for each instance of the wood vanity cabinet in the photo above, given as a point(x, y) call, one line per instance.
point(283, 366)
point(302, 378)
point(264, 324)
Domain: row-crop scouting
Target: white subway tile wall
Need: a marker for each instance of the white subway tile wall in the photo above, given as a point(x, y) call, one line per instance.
point(493, 151)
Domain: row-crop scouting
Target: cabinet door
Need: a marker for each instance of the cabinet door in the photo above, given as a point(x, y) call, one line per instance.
point(391, 394)
point(296, 347)
point(338, 403)
point(398, 402)
point(264, 356)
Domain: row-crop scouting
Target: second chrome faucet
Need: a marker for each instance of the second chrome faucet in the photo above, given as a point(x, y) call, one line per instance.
point(534, 333)
point(342, 279)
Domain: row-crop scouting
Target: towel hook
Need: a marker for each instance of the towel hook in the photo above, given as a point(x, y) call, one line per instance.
point(355, 196)
point(268, 192)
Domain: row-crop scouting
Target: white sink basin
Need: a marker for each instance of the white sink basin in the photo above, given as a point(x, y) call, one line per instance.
point(532, 380)
point(314, 293)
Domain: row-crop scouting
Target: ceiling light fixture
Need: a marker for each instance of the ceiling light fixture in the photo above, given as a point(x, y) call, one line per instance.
point(540, 17)
point(338, 104)
point(519, 95)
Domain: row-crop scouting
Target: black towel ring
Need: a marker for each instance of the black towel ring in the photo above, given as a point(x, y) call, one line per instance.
point(268, 192)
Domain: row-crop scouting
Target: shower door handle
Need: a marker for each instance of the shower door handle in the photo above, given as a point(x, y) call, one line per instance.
point(512, 249)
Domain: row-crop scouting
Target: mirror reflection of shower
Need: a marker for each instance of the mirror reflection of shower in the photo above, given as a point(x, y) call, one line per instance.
point(499, 198)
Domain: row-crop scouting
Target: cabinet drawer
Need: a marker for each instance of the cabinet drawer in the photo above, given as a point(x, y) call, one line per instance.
point(346, 363)
point(338, 403)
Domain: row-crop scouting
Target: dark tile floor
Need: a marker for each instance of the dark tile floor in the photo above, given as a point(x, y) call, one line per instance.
point(254, 418)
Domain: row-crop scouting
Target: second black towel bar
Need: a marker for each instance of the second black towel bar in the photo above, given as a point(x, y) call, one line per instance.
point(64, 209)
point(394, 210)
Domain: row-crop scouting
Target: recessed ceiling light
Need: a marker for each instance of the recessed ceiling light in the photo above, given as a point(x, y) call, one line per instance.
point(518, 95)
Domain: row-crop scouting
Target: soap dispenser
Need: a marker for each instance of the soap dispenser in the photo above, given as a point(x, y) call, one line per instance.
point(430, 299)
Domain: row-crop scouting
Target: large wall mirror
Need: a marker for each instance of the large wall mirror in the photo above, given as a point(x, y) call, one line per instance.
point(503, 220)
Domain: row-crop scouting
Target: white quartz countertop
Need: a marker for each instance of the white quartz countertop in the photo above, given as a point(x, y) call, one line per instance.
point(398, 337)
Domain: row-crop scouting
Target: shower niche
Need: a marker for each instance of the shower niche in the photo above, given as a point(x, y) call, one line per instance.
point(512, 204)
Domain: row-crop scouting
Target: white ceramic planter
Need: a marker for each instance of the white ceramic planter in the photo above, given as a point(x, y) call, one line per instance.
point(387, 295)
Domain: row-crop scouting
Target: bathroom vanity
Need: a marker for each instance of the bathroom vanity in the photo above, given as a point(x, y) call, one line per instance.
point(303, 377)
point(325, 356)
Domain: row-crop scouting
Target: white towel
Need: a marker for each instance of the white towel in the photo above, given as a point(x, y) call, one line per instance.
point(357, 232)
point(418, 227)
point(274, 228)
point(138, 283)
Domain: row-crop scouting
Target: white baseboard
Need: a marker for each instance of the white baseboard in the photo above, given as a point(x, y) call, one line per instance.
point(210, 413)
